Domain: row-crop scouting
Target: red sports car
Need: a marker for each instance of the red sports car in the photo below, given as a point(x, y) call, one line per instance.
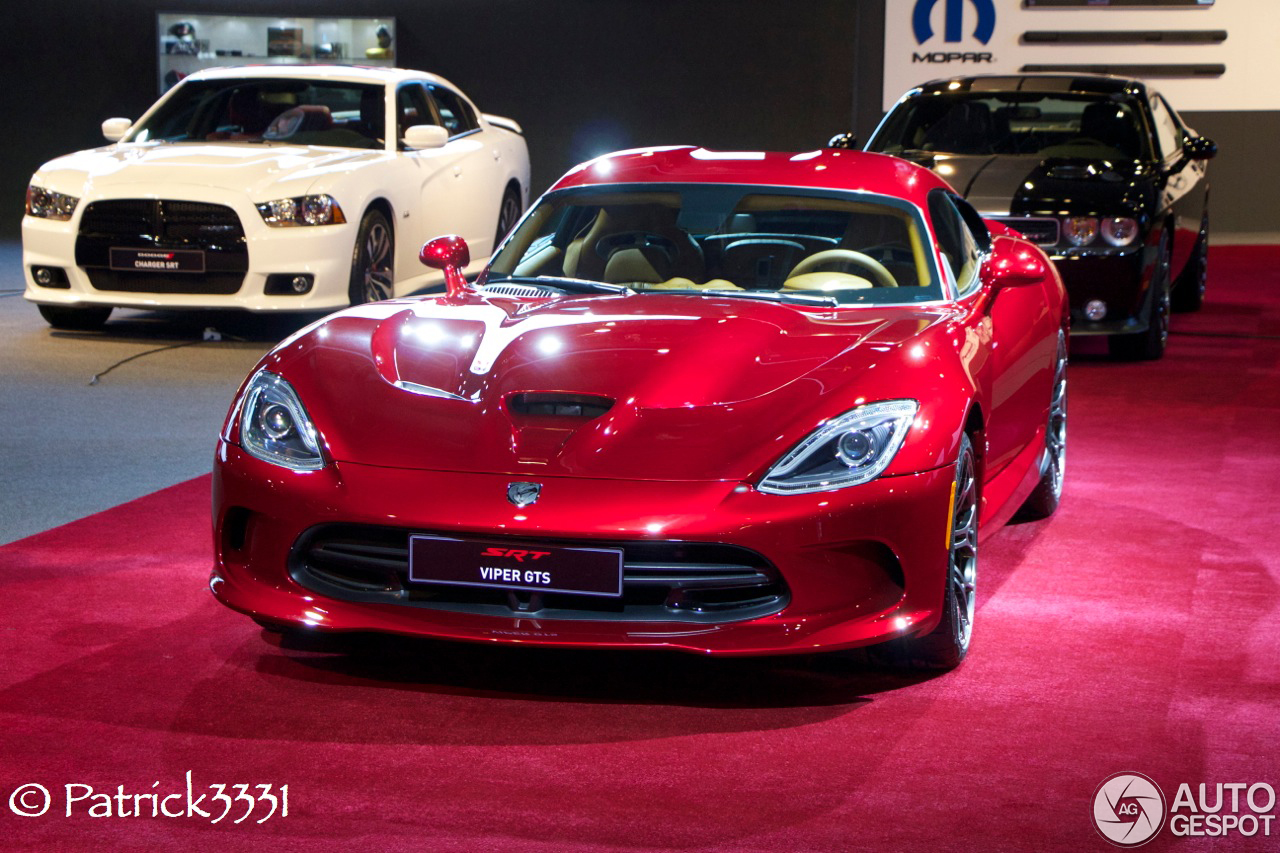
point(723, 402)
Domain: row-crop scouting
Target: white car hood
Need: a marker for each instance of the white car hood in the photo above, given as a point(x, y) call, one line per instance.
point(263, 171)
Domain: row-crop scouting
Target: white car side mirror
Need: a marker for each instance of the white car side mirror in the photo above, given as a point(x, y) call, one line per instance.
point(115, 128)
point(425, 136)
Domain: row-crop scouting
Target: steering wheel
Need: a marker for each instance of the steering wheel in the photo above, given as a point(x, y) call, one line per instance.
point(882, 277)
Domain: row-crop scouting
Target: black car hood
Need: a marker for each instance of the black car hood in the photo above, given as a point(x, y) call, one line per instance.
point(1017, 184)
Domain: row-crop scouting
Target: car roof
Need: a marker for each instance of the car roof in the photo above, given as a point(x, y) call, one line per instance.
point(825, 169)
point(339, 73)
point(1093, 84)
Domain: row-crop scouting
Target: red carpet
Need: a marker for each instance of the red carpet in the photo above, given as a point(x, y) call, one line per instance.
point(1136, 630)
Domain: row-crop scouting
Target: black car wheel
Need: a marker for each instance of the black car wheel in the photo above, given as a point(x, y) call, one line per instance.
point(372, 260)
point(508, 215)
point(1043, 502)
point(946, 646)
point(1188, 292)
point(75, 319)
point(1150, 344)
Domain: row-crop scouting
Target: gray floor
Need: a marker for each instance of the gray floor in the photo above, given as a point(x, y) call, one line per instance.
point(68, 448)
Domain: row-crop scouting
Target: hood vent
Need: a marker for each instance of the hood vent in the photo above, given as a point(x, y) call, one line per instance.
point(558, 404)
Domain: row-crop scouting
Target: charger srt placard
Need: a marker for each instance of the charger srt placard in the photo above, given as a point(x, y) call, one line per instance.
point(1201, 55)
point(501, 565)
point(157, 260)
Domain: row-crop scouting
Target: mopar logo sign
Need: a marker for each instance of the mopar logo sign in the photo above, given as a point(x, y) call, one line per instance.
point(953, 28)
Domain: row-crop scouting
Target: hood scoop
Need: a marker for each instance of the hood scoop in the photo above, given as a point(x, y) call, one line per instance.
point(558, 405)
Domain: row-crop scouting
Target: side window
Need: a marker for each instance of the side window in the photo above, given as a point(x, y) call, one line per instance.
point(413, 106)
point(1168, 135)
point(960, 248)
point(455, 113)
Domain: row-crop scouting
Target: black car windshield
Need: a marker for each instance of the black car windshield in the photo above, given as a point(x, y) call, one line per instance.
point(723, 239)
point(300, 112)
point(1047, 125)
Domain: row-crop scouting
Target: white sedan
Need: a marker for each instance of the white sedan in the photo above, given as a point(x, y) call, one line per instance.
point(276, 188)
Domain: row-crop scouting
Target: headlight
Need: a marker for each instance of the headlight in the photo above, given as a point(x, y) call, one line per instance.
point(303, 210)
point(47, 204)
point(275, 427)
point(1080, 230)
point(846, 451)
point(1119, 230)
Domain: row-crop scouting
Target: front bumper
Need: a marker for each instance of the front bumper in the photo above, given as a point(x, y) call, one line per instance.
point(323, 252)
point(859, 566)
point(1119, 278)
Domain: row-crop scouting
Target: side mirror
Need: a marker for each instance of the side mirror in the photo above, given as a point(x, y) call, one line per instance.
point(1199, 148)
point(425, 136)
point(1013, 263)
point(450, 254)
point(843, 140)
point(114, 129)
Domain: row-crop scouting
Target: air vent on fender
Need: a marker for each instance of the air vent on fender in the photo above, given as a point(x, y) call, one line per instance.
point(558, 404)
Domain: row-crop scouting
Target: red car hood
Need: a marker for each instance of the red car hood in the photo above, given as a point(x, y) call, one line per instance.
point(695, 387)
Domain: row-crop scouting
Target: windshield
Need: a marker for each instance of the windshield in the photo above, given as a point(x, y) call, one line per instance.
point(1047, 125)
point(854, 247)
point(301, 112)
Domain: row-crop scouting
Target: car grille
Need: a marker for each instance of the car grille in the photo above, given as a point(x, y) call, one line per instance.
point(163, 224)
point(1041, 230)
point(696, 582)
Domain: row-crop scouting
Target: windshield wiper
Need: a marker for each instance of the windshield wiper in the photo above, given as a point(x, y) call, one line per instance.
point(565, 283)
point(766, 295)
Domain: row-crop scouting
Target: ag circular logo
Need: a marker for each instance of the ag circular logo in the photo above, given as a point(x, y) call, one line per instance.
point(1128, 809)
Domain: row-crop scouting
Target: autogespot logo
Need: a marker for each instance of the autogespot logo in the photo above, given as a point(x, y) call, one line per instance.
point(953, 30)
point(1128, 809)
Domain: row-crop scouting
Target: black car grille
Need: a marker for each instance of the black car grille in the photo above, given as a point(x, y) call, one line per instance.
point(696, 582)
point(1041, 230)
point(163, 224)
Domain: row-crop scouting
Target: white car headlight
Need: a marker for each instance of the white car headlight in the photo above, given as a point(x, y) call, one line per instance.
point(302, 210)
point(845, 451)
point(275, 427)
point(47, 204)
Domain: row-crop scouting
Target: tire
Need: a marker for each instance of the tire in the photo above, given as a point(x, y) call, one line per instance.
point(1150, 344)
point(948, 644)
point(373, 260)
point(75, 319)
point(508, 215)
point(1188, 292)
point(1043, 502)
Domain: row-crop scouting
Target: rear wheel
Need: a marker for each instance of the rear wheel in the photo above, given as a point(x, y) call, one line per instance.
point(372, 260)
point(75, 319)
point(1150, 345)
point(946, 646)
point(1043, 502)
point(1188, 293)
point(508, 215)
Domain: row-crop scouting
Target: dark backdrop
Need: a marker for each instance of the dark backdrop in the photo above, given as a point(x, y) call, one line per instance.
point(582, 77)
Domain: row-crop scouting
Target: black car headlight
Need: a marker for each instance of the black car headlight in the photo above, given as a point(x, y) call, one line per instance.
point(302, 210)
point(47, 204)
point(1080, 230)
point(845, 451)
point(275, 427)
point(1119, 230)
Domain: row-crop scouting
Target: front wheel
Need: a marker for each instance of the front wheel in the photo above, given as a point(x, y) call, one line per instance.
point(1188, 293)
point(948, 644)
point(1150, 345)
point(1043, 502)
point(75, 319)
point(372, 260)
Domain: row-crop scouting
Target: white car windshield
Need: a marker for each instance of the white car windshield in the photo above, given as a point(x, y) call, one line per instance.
point(300, 112)
point(727, 240)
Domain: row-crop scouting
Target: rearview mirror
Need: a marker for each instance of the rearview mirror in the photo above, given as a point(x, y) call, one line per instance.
point(1199, 148)
point(449, 253)
point(1013, 263)
point(425, 136)
point(843, 140)
point(114, 129)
